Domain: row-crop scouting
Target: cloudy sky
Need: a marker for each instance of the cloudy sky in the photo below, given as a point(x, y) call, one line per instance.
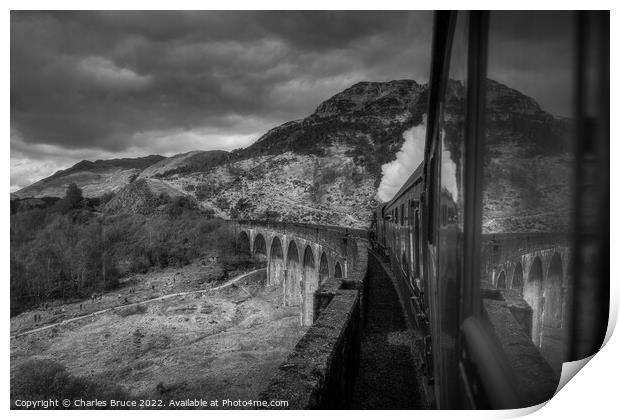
point(95, 85)
point(99, 85)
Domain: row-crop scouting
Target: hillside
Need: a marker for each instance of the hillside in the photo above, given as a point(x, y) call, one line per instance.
point(185, 162)
point(326, 167)
point(94, 178)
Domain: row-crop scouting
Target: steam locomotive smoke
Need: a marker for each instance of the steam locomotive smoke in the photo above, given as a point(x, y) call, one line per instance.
point(408, 158)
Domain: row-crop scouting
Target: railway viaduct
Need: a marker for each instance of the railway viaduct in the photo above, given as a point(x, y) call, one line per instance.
point(301, 257)
point(321, 269)
point(324, 271)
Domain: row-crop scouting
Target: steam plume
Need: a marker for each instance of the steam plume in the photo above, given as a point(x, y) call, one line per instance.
point(395, 173)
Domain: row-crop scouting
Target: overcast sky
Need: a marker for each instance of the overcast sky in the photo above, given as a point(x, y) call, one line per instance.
point(95, 85)
point(98, 85)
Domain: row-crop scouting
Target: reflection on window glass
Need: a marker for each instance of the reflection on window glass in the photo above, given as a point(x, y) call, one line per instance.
point(449, 211)
point(527, 194)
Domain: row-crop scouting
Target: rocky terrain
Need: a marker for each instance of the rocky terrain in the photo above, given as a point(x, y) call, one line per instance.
point(326, 168)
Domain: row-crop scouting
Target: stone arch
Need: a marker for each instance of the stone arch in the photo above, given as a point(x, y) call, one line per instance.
point(243, 244)
point(338, 270)
point(260, 248)
point(275, 267)
point(292, 276)
point(501, 280)
point(517, 278)
point(308, 285)
point(552, 333)
point(323, 268)
point(532, 293)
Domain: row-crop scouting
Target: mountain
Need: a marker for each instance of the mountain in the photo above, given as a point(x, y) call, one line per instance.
point(526, 161)
point(326, 168)
point(194, 161)
point(94, 178)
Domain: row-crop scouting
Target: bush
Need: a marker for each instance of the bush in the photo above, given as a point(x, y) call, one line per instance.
point(206, 227)
point(244, 205)
point(43, 379)
point(270, 215)
point(232, 262)
point(177, 205)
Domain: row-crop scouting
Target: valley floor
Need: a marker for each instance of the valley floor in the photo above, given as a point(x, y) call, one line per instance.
point(218, 344)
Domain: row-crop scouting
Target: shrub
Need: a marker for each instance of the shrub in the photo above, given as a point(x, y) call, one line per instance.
point(177, 205)
point(205, 227)
point(270, 215)
point(232, 262)
point(43, 379)
point(244, 205)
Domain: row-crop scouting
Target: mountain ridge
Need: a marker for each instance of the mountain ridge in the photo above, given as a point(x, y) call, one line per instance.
point(323, 168)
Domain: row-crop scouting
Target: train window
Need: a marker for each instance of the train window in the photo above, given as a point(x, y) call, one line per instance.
point(432, 206)
point(402, 214)
point(502, 207)
point(449, 201)
point(416, 241)
point(527, 191)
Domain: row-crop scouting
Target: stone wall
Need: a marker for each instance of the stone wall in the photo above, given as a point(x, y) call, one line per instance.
point(320, 371)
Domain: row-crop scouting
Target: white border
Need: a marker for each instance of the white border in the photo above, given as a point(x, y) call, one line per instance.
point(592, 394)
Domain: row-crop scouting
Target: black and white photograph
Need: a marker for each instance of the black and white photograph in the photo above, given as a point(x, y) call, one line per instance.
point(306, 209)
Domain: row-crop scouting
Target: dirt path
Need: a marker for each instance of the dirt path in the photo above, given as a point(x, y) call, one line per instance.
point(387, 376)
point(130, 305)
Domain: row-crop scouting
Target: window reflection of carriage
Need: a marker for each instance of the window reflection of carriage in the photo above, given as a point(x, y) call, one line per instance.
point(500, 307)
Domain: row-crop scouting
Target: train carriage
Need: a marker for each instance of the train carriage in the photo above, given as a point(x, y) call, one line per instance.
point(496, 288)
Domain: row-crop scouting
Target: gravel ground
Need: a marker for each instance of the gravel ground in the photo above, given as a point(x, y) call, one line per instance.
point(388, 377)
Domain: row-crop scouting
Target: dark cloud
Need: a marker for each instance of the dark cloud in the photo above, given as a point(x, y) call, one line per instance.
point(98, 84)
point(88, 85)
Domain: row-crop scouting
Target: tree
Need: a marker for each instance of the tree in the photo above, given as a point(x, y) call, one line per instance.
point(73, 199)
